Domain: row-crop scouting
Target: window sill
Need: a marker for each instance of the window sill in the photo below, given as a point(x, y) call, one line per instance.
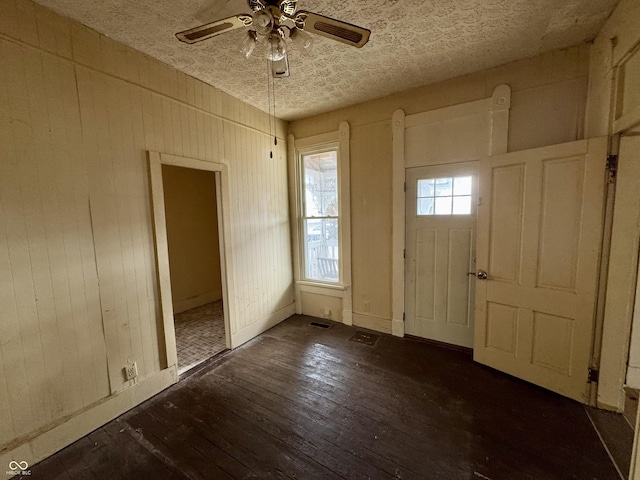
point(319, 288)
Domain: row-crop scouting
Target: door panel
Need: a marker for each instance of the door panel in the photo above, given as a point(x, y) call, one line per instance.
point(440, 253)
point(425, 266)
point(460, 259)
point(539, 239)
point(507, 196)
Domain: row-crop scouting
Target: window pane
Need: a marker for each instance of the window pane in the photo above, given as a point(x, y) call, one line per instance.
point(462, 186)
point(443, 206)
point(321, 184)
point(425, 206)
point(425, 188)
point(462, 205)
point(444, 186)
point(321, 249)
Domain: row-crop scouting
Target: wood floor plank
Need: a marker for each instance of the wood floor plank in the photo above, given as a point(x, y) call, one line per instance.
point(300, 402)
point(239, 432)
point(285, 422)
point(178, 442)
point(347, 426)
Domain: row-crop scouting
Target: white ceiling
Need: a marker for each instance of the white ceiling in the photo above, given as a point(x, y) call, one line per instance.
point(413, 43)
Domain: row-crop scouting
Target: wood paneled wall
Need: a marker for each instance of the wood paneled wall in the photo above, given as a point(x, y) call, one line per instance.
point(78, 286)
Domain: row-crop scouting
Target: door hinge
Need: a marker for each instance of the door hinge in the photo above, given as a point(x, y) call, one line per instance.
point(612, 164)
point(404, 316)
point(593, 375)
point(405, 187)
point(404, 253)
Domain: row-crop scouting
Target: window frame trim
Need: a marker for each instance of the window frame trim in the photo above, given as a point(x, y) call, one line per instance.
point(339, 138)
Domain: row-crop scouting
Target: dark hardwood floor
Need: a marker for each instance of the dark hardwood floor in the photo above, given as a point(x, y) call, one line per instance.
point(301, 402)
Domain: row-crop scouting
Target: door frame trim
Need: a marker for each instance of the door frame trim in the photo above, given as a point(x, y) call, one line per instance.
point(156, 160)
point(497, 108)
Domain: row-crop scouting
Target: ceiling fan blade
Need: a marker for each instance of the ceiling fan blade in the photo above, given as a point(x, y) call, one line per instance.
point(212, 29)
point(280, 68)
point(334, 29)
point(214, 10)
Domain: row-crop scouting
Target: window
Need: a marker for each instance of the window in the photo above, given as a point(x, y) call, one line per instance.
point(445, 196)
point(320, 219)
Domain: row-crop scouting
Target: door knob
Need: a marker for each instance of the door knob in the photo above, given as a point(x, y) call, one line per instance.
point(481, 275)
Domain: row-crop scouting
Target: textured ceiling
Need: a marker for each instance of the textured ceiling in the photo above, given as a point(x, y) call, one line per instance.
point(413, 43)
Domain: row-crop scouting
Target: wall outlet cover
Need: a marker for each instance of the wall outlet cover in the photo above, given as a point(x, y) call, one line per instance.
point(131, 371)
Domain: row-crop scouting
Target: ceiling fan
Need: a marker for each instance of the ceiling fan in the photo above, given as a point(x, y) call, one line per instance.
point(273, 23)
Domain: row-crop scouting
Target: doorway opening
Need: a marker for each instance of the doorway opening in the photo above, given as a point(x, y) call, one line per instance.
point(193, 239)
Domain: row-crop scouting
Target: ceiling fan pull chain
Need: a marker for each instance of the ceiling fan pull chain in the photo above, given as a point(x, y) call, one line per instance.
point(275, 119)
point(269, 100)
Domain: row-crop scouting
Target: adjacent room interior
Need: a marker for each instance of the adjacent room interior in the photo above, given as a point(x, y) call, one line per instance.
point(415, 239)
point(191, 212)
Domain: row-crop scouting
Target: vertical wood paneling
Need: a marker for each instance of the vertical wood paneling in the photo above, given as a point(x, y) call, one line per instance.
point(21, 254)
point(54, 180)
point(143, 272)
point(21, 303)
point(92, 289)
point(79, 294)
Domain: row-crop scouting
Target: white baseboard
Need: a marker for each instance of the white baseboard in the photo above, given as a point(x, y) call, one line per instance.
point(633, 377)
point(49, 442)
point(185, 304)
point(371, 322)
point(397, 328)
point(256, 328)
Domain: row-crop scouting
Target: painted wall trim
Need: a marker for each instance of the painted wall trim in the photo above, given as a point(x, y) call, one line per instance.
point(328, 290)
point(610, 111)
point(398, 224)
point(449, 113)
point(292, 170)
point(156, 160)
point(621, 279)
point(372, 322)
point(497, 110)
point(76, 427)
point(342, 138)
point(345, 212)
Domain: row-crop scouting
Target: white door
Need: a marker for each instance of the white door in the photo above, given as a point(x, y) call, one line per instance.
point(441, 223)
point(539, 240)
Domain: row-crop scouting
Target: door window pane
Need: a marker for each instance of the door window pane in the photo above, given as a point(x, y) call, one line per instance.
point(426, 188)
point(425, 206)
point(443, 206)
point(462, 205)
point(462, 185)
point(445, 196)
point(444, 187)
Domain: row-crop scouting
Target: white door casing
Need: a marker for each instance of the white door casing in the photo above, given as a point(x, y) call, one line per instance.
point(539, 236)
point(440, 254)
point(458, 133)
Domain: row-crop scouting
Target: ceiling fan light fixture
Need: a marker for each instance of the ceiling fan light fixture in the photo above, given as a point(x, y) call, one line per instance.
point(263, 22)
point(302, 40)
point(276, 48)
point(249, 44)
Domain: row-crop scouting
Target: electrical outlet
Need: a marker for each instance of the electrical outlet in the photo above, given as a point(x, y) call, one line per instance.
point(131, 371)
point(327, 313)
point(366, 306)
